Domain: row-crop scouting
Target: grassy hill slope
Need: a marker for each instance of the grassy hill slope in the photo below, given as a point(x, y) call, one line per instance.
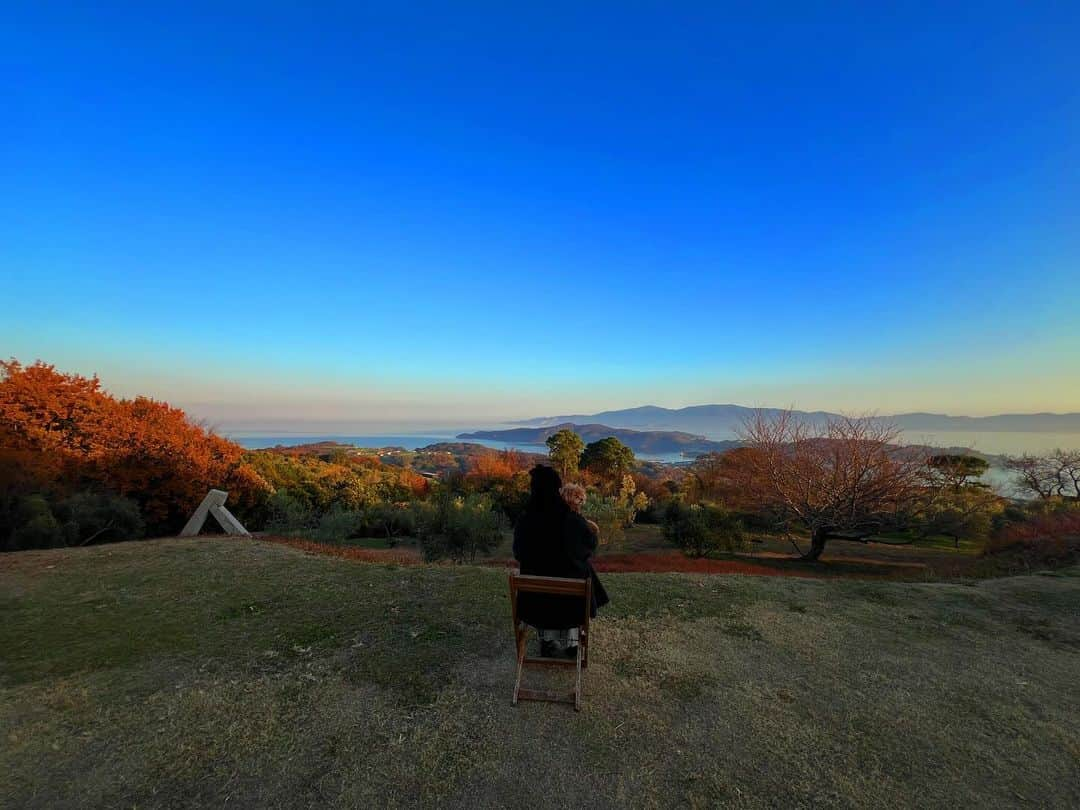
point(204, 672)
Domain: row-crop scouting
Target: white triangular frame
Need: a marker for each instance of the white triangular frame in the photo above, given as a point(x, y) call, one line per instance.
point(214, 504)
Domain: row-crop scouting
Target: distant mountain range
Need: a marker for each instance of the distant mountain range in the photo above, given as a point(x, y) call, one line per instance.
point(652, 441)
point(724, 420)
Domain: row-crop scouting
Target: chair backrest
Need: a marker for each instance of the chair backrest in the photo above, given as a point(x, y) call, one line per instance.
point(552, 586)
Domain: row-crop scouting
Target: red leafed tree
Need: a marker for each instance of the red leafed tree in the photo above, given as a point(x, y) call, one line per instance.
point(494, 466)
point(416, 484)
point(62, 432)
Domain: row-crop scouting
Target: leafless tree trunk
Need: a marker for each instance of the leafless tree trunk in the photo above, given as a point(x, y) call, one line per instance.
point(1066, 465)
point(1040, 476)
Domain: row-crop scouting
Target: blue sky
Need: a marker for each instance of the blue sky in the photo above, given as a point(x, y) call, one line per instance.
point(418, 212)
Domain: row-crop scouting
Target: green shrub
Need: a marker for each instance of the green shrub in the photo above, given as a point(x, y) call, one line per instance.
point(286, 513)
point(99, 516)
point(389, 521)
point(458, 528)
point(654, 511)
point(611, 514)
point(966, 513)
point(384, 520)
point(700, 530)
point(35, 525)
point(337, 525)
point(511, 496)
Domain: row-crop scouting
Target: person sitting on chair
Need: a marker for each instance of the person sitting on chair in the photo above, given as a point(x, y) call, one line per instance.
point(552, 540)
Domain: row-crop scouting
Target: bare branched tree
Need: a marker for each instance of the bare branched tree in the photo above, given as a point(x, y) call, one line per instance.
point(846, 479)
point(1053, 475)
point(1067, 472)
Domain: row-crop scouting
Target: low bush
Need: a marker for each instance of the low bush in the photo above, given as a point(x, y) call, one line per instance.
point(700, 530)
point(36, 521)
point(966, 513)
point(1010, 514)
point(89, 517)
point(653, 514)
point(388, 520)
point(337, 525)
point(1044, 540)
point(458, 528)
point(611, 514)
point(287, 513)
point(35, 526)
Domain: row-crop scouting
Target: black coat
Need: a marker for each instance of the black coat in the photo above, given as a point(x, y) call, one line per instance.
point(556, 545)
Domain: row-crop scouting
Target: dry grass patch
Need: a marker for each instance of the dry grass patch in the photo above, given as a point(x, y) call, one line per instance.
point(221, 672)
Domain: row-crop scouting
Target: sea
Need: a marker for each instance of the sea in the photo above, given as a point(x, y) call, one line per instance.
point(992, 443)
point(409, 441)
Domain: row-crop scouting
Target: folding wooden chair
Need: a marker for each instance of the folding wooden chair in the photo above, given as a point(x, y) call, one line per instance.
point(551, 586)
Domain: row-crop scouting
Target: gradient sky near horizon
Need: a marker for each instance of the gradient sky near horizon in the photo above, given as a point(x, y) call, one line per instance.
point(403, 212)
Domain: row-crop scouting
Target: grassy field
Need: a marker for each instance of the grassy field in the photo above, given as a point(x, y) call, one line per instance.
point(208, 672)
point(644, 549)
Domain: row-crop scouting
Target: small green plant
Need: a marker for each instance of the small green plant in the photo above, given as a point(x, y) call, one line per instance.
point(35, 524)
point(458, 528)
point(287, 513)
point(700, 530)
point(89, 517)
point(389, 521)
point(611, 514)
point(338, 525)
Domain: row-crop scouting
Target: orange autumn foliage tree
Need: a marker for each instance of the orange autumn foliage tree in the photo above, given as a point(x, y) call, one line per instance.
point(502, 476)
point(497, 471)
point(417, 485)
point(491, 466)
point(62, 433)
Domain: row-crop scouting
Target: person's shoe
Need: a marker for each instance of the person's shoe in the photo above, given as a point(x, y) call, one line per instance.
point(548, 649)
point(571, 651)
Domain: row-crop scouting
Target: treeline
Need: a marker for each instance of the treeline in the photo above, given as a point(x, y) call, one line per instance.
point(852, 479)
point(78, 465)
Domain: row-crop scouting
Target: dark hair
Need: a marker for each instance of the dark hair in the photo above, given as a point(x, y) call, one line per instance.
point(544, 486)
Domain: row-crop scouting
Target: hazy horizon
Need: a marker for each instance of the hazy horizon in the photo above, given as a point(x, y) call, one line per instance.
point(413, 436)
point(301, 426)
point(270, 416)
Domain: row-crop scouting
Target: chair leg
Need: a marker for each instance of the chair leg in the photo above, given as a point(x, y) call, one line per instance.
point(577, 683)
point(521, 645)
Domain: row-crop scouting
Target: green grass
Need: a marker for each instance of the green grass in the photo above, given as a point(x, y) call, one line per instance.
point(189, 673)
point(934, 541)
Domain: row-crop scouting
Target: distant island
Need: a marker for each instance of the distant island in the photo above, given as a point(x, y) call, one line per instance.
point(702, 420)
point(640, 441)
point(654, 442)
